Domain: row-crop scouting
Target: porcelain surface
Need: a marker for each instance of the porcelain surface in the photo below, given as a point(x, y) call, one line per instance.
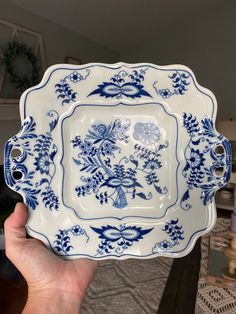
point(118, 161)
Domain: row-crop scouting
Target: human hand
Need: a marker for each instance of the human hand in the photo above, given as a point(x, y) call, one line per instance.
point(54, 285)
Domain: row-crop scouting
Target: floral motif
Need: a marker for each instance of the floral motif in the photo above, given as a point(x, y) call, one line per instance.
point(117, 240)
point(63, 245)
point(196, 159)
point(203, 140)
point(44, 151)
point(75, 77)
point(147, 133)
point(21, 140)
point(115, 182)
point(77, 230)
point(152, 164)
point(164, 245)
point(165, 93)
point(123, 84)
point(64, 90)
point(42, 163)
point(175, 233)
point(179, 84)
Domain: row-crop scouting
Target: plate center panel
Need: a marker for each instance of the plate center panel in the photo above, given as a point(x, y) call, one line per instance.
point(119, 161)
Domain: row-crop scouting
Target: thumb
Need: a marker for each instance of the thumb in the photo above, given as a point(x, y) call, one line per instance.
point(14, 227)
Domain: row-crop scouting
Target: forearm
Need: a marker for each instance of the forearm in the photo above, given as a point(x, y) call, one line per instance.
point(50, 304)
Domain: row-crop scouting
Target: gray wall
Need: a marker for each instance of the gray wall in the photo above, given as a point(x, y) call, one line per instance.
point(59, 42)
point(204, 41)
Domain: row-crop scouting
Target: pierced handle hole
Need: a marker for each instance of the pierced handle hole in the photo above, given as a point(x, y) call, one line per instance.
point(219, 149)
point(17, 175)
point(219, 171)
point(16, 152)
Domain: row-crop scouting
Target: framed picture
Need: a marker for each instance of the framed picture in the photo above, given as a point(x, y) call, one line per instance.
point(72, 60)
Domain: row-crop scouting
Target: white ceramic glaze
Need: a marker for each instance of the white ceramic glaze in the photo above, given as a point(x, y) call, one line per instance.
point(119, 160)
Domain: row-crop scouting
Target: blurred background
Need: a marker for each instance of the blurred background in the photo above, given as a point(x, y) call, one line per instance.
point(199, 34)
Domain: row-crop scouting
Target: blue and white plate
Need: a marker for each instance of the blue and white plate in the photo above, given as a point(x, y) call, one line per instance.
point(118, 161)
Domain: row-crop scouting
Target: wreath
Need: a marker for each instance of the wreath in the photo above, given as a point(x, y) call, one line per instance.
point(11, 53)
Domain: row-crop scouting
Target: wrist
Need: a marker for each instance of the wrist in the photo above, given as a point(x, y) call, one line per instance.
point(49, 303)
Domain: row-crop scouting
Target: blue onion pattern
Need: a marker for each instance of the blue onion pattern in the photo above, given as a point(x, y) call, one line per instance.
point(175, 233)
point(64, 90)
point(122, 85)
point(63, 239)
point(117, 181)
point(22, 142)
point(147, 133)
point(116, 240)
point(202, 142)
point(43, 151)
point(179, 85)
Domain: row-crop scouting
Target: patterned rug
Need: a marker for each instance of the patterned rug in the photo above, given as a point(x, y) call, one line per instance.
point(136, 286)
point(130, 286)
point(213, 299)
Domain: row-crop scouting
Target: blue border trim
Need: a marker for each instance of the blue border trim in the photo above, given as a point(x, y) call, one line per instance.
point(117, 68)
point(128, 255)
point(116, 105)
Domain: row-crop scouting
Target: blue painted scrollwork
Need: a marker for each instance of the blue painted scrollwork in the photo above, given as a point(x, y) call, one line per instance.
point(115, 181)
point(65, 91)
point(42, 150)
point(175, 233)
point(21, 142)
point(203, 140)
point(63, 239)
point(123, 84)
point(179, 85)
point(117, 240)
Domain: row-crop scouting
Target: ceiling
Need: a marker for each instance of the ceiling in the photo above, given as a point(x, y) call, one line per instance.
point(123, 24)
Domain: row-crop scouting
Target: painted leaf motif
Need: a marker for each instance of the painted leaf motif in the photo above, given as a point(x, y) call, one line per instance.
point(119, 86)
point(129, 89)
point(77, 161)
point(100, 142)
point(116, 182)
point(113, 234)
point(144, 196)
point(186, 196)
point(131, 234)
point(111, 89)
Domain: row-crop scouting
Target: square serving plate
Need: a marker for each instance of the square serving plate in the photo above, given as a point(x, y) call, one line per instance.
point(118, 161)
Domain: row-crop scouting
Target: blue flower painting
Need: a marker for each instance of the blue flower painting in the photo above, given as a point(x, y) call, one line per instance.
point(65, 91)
point(43, 150)
point(118, 239)
point(113, 181)
point(203, 139)
point(122, 85)
point(180, 82)
point(146, 133)
point(175, 233)
point(63, 239)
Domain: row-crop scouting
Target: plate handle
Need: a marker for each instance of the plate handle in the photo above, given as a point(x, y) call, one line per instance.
point(7, 165)
point(208, 168)
point(221, 156)
point(19, 162)
point(14, 169)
